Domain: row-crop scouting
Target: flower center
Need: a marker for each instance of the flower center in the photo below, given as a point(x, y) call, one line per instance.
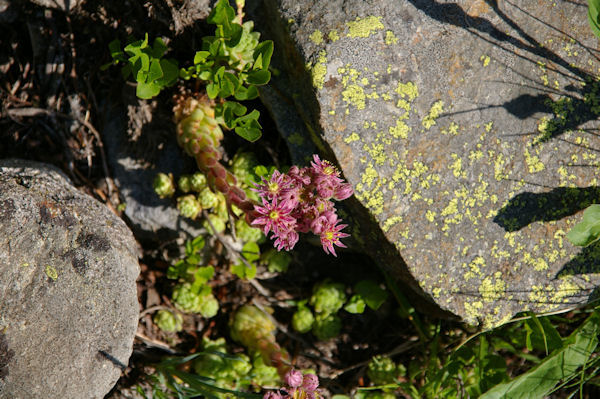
point(329, 170)
point(273, 187)
point(274, 215)
point(329, 235)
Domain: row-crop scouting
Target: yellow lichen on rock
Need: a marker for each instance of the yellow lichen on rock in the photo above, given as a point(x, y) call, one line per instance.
point(316, 37)
point(408, 89)
point(355, 95)
point(436, 109)
point(390, 38)
point(319, 70)
point(492, 291)
point(364, 27)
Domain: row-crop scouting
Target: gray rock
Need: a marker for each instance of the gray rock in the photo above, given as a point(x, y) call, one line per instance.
point(139, 145)
point(68, 298)
point(468, 131)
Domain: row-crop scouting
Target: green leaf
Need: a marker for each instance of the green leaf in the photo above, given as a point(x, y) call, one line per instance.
point(541, 334)
point(204, 274)
point(259, 77)
point(588, 230)
point(251, 117)
point(154, 71)
point(115, 50)
point(561, 365)
point(373, 295)
point(147, 90)
point(355, 305)
point(242, 271)
point(222, 13)
point(250, 251)
point(140, 65)
point(250, 134)
point(229, 111)
point(197, 244)
point(201, 57)
point(234, 35)
point(212, 90)
point(159, 48)
point(246, 93)
point(262, 55)
point(186, 74)
point(594, 16)
point(202, 384)
point(261, 171)
point(170, 70)
point(104, 67)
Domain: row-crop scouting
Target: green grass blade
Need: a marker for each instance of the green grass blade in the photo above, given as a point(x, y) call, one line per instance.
point(560, 365)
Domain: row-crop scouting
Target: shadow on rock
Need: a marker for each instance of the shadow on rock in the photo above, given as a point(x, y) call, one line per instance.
point(526, 208)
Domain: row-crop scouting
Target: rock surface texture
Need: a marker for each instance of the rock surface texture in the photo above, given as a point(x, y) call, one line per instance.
point(468, 131)
point(68, 301)
point(137, 150)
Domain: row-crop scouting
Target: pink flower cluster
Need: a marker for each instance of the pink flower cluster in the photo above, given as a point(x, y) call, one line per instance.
point(298, 387)
point(300, 201)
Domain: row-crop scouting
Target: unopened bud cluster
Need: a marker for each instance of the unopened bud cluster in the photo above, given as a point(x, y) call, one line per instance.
point(298, 386)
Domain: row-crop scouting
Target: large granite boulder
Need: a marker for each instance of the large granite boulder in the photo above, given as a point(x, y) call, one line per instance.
point(68, 300)
point(468, 130)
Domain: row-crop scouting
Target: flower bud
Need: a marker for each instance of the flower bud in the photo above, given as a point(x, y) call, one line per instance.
point(343, 191)
point(293, 378)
